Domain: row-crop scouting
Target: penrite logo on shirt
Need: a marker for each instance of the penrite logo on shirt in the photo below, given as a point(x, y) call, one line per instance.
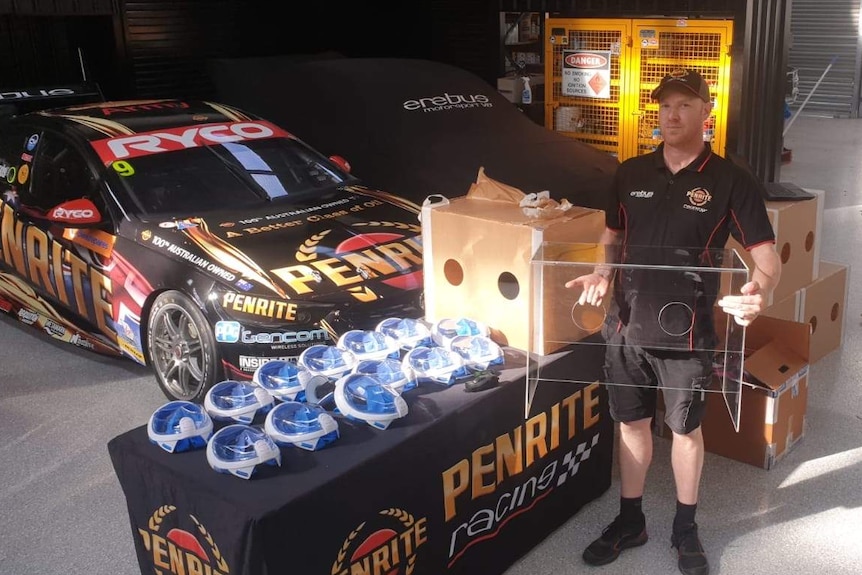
point(697, 199)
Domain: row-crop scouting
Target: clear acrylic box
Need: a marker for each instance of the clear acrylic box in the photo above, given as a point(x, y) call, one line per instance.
point(668, 295)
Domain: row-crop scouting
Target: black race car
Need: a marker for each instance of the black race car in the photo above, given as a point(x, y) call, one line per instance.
point(415, 127)
point(194, 238)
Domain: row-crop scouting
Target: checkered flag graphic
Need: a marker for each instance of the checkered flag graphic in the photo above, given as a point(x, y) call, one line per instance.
point(572, 460)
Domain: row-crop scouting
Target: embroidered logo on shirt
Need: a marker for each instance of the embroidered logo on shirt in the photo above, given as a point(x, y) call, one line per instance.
point(642, 194)
point(697, 198)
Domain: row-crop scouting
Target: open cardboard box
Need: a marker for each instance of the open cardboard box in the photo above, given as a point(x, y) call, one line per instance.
point(774, 397)
point(822, 304)
point(477, 252)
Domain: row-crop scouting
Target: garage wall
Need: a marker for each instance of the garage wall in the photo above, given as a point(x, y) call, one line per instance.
point(165, 43)
point(157, 48)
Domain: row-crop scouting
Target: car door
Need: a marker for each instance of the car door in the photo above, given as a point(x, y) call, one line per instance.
point(58, 237)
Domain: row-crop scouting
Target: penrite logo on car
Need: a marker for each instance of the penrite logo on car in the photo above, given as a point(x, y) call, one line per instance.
point(173, 139)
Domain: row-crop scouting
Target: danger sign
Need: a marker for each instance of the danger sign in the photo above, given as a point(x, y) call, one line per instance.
point(587, 74)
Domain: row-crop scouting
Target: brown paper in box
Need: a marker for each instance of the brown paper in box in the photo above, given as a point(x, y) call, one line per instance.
point(539, 206)
point(486, 188)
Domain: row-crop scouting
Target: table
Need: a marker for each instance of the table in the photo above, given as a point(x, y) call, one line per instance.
point(462, 484)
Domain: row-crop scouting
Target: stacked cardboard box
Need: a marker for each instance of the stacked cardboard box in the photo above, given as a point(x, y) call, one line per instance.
point(803, 322)
point(797, 241)
point(811, 290)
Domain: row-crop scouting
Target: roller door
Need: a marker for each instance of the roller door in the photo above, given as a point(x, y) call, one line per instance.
point(823, 31)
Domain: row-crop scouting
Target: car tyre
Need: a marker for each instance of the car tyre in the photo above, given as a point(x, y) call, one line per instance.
point(181, 347)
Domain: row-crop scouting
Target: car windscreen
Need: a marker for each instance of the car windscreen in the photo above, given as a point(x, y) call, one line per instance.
point(225, 176)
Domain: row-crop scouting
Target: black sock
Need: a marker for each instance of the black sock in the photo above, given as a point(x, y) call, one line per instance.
point(684, 518)
point(630, 510)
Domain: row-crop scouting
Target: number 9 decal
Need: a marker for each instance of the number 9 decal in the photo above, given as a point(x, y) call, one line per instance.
point(123, 168)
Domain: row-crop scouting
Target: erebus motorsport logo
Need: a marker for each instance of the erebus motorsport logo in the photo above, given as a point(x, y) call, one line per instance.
point(181, 545)
point(387, 544)
point(448, 101)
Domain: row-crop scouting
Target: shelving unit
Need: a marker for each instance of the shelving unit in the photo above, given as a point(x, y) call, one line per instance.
point(521, 42)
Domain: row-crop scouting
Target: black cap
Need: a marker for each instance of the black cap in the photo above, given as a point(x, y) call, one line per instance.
point(688, 79)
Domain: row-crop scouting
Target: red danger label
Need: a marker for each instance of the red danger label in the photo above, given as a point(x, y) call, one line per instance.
point(173, 139)
point(586, 60)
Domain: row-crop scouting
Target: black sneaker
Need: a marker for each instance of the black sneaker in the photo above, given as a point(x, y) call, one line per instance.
point(692, 558)
point(615, 537)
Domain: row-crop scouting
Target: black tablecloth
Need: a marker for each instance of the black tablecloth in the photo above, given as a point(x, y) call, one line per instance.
point(462, 484)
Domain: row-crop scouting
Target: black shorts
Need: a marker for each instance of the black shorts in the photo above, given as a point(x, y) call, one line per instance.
point(635, 373)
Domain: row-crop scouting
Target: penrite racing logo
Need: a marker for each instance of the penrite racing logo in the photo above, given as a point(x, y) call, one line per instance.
point(181, 545)
point(389, 545)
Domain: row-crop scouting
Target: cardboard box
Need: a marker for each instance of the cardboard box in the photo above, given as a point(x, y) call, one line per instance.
point(477, 264)
point(787, 308)
point(774, 397)
point(822, 305)
point(797, 241)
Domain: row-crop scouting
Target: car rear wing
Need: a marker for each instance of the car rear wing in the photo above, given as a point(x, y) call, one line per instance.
point(16, 101)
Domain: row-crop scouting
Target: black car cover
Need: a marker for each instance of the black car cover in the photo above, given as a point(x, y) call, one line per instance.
point(414, 127)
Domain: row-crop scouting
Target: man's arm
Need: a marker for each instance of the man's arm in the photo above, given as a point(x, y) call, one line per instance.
point(755, 294)
point(767, 268)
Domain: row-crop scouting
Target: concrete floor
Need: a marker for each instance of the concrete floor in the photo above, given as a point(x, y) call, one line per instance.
point(64, 511)
point(804, 516)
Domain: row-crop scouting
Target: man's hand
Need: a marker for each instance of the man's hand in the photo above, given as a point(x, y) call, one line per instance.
point(746, 307)
point(594, 285)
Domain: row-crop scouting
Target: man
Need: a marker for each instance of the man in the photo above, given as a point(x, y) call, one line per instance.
point(678, 197)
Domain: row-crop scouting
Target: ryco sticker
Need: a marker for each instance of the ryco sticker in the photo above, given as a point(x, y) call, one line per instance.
point(173, 139)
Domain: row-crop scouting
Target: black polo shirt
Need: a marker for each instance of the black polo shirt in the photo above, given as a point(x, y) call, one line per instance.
point(699, 206)
point(669, 220)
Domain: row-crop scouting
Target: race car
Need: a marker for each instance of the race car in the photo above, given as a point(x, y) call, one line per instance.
point(194, 238)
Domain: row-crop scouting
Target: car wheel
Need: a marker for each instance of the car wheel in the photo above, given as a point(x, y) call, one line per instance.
point(181, 348)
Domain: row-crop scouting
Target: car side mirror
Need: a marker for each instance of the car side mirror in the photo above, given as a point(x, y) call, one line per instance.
point(342, 163)
point(78, 213)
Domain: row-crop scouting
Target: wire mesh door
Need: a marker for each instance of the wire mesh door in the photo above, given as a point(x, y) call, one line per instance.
point(661, 46)
point(599, 74)
point(591, 110)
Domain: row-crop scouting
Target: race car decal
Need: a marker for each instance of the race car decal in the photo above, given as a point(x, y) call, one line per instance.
point(108, 127)
point(23, 174)
point(173, 139)
point(96, 240)
point(232, 113)
point(20, 300)
point(188, 256)
point(55, 270)
point(355, 261)
point(76, 212)
point(231, 257)
point(260, 306)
